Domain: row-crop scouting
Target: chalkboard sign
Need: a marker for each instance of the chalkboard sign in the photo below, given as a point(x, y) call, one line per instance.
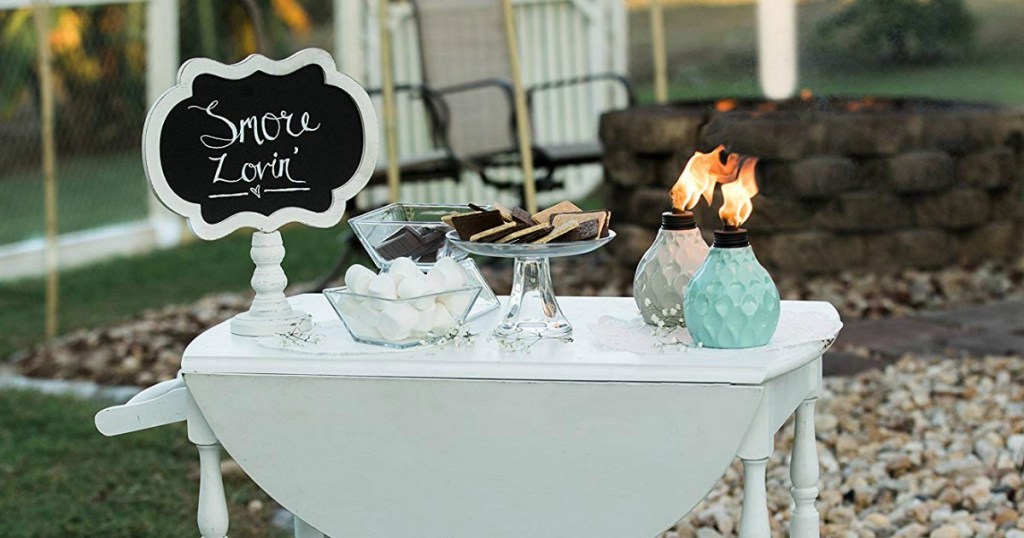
point(260, 143)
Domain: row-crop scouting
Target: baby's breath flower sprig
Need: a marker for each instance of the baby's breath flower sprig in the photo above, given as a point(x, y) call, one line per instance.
point(298, 337)
point(457, 336)
point(522, 342)
point(667, 326)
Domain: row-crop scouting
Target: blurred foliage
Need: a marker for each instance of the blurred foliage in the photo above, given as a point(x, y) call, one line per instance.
point(898, 31)
point(99, 57)
point(99, 71)
point(223, 30)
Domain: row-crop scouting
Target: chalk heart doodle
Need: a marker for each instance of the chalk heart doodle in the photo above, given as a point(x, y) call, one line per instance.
point(260, 143)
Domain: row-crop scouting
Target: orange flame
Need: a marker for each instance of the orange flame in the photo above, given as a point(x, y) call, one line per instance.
point(698, 178)
point(738, 193)
point(725, 105)
point(704, 170)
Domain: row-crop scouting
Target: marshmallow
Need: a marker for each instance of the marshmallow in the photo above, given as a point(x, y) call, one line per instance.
point(443, 319)
point(369, 315)
point(416, 286)
point(362, 330)
point(402, 268)
point(392, 333)
point(358, 278)
point(436, 280)
point(397, 321)
point(350, 306)
point(457, 303)
point(382, 286)
point(426, 320)
point(454, 274)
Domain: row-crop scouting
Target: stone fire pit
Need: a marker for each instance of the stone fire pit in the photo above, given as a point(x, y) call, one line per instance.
point(862, 185)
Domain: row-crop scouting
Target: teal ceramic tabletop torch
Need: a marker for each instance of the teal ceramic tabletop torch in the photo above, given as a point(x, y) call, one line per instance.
point(732, 301)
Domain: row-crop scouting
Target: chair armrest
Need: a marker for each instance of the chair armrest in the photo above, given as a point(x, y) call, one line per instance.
point(163, 403)
point(501, 84)
point(585, 79)
point(433, 101)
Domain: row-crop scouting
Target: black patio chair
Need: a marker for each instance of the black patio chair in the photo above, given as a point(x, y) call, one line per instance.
point(468, 95)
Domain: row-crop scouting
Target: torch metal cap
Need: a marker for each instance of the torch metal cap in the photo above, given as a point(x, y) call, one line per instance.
point(678, 220)
point(731, 238)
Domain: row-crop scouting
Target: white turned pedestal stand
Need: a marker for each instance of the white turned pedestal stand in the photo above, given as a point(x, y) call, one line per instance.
point(270, 312)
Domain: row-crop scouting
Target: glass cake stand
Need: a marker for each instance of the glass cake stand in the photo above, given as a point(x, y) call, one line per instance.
point(532, 307)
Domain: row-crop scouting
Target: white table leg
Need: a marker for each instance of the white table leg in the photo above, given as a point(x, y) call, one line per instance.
point(213, 507)
point(754, 521)
point(304, 530)
point(804, 473)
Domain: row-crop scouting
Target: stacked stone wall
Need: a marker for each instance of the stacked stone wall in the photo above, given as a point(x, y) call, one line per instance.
point(860, 191)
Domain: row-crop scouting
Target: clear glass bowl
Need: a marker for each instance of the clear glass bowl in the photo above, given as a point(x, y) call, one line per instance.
point(401, 323)
point(419, 224)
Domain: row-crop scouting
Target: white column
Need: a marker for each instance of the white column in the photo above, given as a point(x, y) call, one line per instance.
point(162, 60)
point(349, 39)
point(754, 521)
point(212, 515)
point(777, 53)
point(804, 474)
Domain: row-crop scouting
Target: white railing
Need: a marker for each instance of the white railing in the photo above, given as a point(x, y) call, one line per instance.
point(162, 229)
point(558, 39)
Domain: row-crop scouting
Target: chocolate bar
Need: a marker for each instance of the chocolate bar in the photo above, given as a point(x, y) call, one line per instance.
point(602, 216)
point(558, 231)
point(586, 231)
point(411, 242)
point(522, 216)
point(470, 224)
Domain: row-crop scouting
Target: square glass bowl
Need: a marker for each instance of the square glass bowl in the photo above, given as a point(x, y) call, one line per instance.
point(402, 323)
point(410, 230)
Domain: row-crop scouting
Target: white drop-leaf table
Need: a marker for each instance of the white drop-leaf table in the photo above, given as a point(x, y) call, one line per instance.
point(565, 440)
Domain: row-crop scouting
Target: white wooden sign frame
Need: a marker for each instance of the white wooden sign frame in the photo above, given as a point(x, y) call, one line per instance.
point(152, 132)
point(270, 312)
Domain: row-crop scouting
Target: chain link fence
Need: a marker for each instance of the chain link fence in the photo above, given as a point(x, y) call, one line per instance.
point(99, 60)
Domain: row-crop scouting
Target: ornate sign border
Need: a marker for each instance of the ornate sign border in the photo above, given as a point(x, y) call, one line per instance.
point(191, 69)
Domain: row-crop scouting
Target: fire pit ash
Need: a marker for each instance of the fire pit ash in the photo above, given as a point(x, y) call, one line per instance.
point(861, 184)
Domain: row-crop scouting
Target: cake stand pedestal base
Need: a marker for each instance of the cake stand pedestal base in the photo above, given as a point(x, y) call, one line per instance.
point(532, 308)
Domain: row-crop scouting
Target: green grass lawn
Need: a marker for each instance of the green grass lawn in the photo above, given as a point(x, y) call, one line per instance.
point(92, 191)
point(712, 51)
point(994, 82)
point(118, 288)
point(62, 479)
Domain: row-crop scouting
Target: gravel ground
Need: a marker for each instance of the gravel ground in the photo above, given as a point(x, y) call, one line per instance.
point(926, 448)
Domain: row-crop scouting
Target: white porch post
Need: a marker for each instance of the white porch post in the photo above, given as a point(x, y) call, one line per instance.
point(349, 39)
point(162, 60)
point(777, 53)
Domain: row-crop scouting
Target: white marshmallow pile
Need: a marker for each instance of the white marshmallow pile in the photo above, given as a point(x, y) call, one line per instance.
point(399, 321)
